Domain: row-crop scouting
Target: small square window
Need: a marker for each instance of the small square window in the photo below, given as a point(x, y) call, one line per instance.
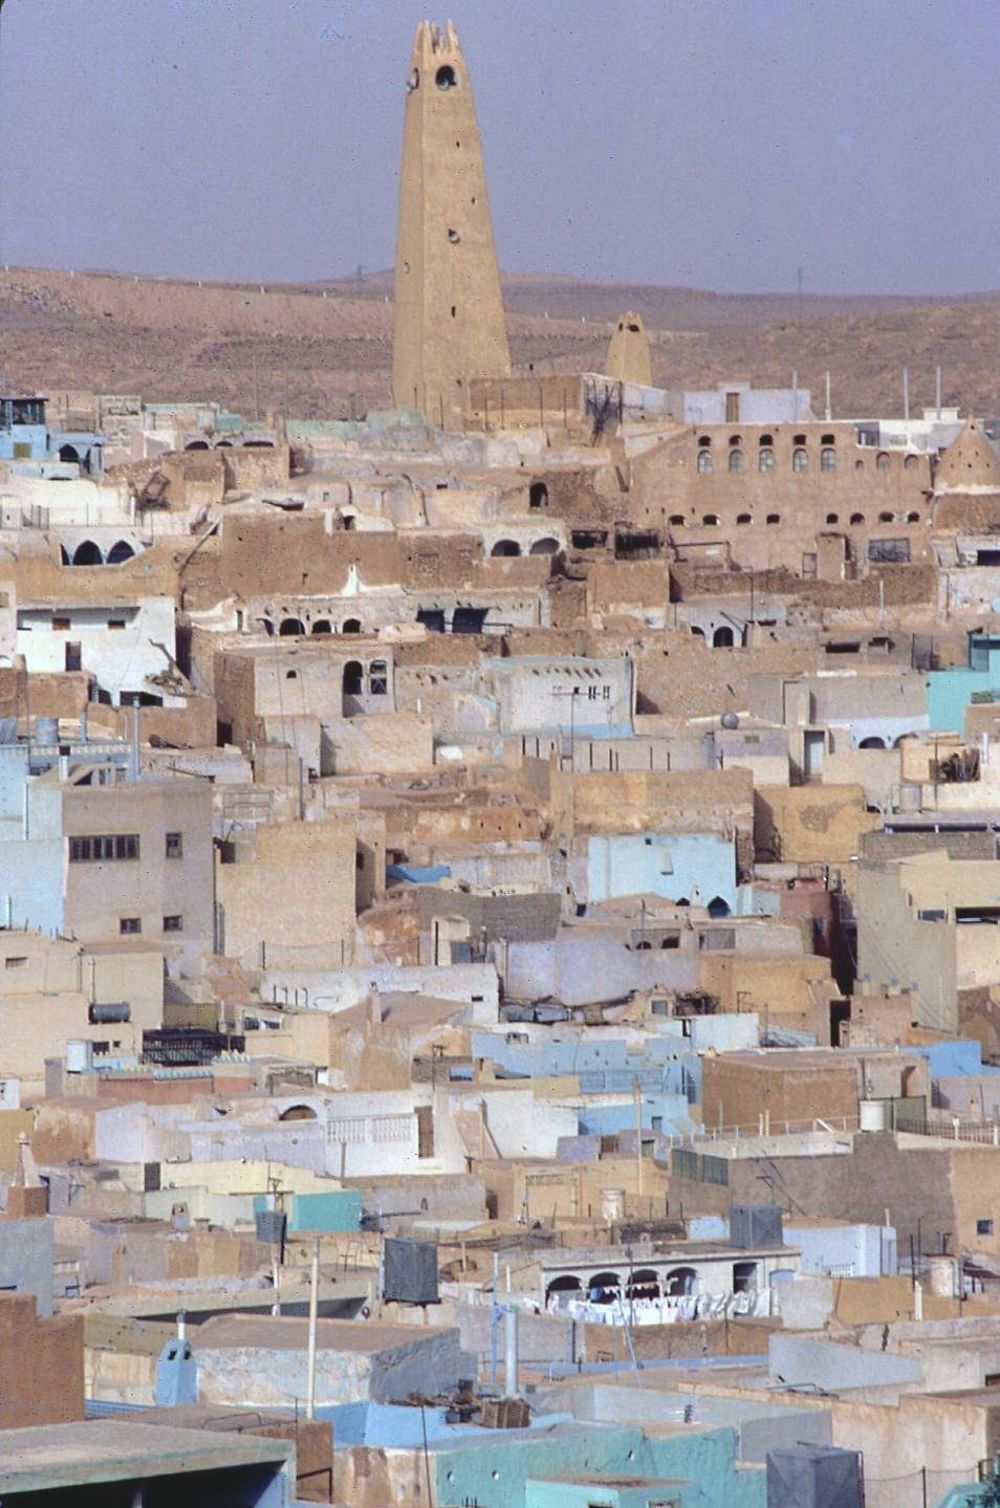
point(129, 925)
point(984, 1227)
point(174, 845)
point(173, 924)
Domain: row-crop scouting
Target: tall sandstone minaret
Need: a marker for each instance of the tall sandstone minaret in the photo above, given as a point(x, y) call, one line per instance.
point(449, 321)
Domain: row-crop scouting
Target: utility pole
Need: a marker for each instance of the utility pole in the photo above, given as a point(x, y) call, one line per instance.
point(311, 1352)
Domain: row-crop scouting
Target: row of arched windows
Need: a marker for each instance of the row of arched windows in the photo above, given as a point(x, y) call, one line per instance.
point(713, 521)
point(294, 628)
point(766, 459)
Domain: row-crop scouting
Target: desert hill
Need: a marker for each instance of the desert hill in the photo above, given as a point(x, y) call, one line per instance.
point(325, 349)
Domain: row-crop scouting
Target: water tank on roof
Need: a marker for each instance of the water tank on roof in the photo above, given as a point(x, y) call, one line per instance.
point(104, 1013)
point(814, 1476)
point(873, 1115)
point(729, 720)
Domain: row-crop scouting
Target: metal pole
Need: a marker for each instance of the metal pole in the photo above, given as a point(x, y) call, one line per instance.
point(311, 1353)
point(906, 393)
point(638, 1138)
point(510, 1352)
point(937, 390)
point(829, 408)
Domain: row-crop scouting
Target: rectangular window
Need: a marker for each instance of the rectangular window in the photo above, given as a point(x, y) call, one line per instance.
point(129, 925)
point(174, 845)
point(15, 963)
point(116, 622)
point(61, 625)
point(74, 655)
point(984, 1227)
point(173, 924)
point(102, 847)
point(378, 678)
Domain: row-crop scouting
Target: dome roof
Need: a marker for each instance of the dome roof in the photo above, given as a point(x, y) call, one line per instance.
point(969, 465)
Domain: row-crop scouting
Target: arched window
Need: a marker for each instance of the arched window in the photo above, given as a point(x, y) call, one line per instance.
point(446, 78)
point(677, 520)
point(735, 461)
point(69, 453)
point(322, 626)
point(828, 459)
point(88, 553)
point(506, 547)
point(859, 464)
point(765, 458)
point(744, 518)
point(885, 518)
point(882, 461)
point(538, 495)
point(546, 546)
point(120, 551)
point(354, 678)
point(910, 463)
point(196, 445)
point(290, 628)
point(798, 439)
point(833, 518)
point(828, 439)
point(857, 518)
point(735, 441)
point(723, 637)
point(718, 907)
point(800, 459)
point(710, 520)
point(872, 743)
point(704, 462)
point(766, 440)
point(351, 626)
point(773, 518)
point(913, 518)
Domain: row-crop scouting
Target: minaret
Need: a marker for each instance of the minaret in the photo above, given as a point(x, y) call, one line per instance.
point(449, 321)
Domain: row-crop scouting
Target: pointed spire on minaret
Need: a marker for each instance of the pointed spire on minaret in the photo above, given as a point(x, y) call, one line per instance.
point(449, 319)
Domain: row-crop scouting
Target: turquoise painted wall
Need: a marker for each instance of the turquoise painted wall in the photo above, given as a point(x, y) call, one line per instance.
point(949, 692)
point(339, 1210)
point(495, 1475)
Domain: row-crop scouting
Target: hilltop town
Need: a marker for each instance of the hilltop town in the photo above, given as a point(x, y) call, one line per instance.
point(499, 889)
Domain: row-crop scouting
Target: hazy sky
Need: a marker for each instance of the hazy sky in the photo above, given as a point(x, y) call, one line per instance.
point(668, 141)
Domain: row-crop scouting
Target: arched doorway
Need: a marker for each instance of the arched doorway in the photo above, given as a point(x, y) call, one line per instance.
point(679, 1282)
point(351, 626)
point(120, 551)
point(604, 1288)
point(506, 547)
point(196, 445)
point(546, 546)
point(87, 553)
point(70, 454)
point(718, 907)
point(291, 628)
point(322, 626)
point(561, 1289)
point(352, 685)
point(644, 1284)
point(872, 743)
point(723, 638)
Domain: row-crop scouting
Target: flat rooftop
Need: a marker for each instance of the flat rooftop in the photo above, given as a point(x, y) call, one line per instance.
point(53, 1456)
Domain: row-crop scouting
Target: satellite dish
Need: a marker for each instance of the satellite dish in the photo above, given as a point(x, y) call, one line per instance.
point(729, 720)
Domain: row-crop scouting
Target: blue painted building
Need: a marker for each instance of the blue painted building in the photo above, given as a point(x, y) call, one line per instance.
point(699, 868)
point(23, 434)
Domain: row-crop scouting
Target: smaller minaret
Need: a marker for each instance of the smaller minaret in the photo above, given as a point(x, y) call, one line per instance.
point(629, 358)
